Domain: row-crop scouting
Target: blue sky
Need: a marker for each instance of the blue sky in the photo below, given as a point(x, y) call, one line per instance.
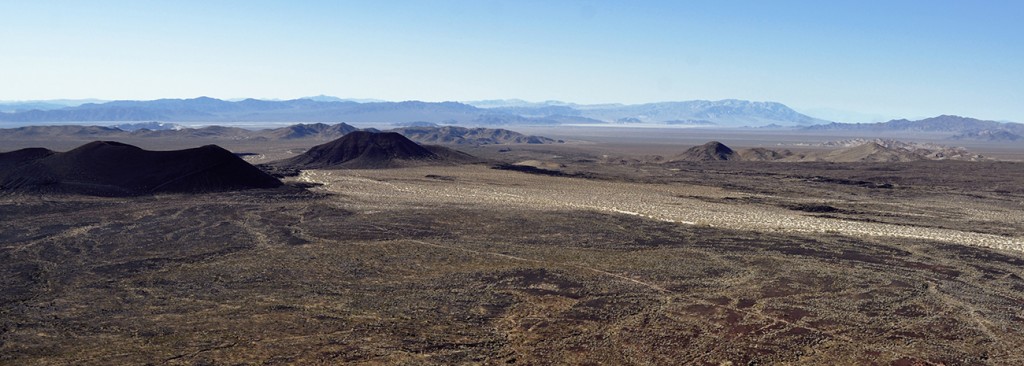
point(879, 58)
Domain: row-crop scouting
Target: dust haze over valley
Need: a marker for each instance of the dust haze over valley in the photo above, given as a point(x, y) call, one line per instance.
point(511, 183)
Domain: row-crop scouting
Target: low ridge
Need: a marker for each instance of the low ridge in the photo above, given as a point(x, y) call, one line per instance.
point(845, 151)
point(871, 152)
point(320, 131)
point(469, 136)
point(107, 168)
point(763, 154)
point(989, 135)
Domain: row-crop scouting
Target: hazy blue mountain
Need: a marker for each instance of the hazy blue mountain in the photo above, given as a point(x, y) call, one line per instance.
point(539, 111)
point(844, 116)
point(725, 113)
point(960, 127)
point(507, 103)
point(989, 135)
point(43, 105)
point(206, 109)
point(316, 131)
point(328, 98)
point(324, 98)
point(10, 107)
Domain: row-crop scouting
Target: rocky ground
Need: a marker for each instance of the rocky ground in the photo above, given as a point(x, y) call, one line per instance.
point(633, 264)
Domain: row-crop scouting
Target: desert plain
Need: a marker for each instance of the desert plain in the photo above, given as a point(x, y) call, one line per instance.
point(600, 250)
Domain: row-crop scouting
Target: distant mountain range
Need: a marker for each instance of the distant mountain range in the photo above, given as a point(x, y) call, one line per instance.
point(724, 113)
point(988, 135)
point(315, 131)
point(506, 112)
point(23, 106)
point(328, 98)
point(205, 109)
point(960, 128)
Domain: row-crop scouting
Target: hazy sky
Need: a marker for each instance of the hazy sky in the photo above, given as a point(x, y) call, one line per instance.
point(891, 58)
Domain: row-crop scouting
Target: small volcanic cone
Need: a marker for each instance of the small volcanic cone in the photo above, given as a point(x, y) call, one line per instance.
point(363, 150)
point(711, 151)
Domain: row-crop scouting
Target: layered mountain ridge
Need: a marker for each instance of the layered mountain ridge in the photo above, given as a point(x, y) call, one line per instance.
point(958, 128)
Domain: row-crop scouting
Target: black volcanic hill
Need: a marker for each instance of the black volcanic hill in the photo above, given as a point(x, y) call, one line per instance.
point(711, 151)
point(363, 150)
point(16, 158)
point(106, 168)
